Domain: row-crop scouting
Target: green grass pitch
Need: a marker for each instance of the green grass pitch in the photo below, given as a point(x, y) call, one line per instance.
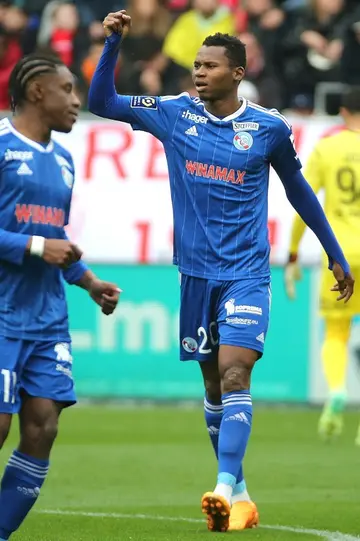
point(111, 464)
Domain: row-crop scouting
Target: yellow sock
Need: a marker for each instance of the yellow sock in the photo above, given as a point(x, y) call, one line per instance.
point(335, 357)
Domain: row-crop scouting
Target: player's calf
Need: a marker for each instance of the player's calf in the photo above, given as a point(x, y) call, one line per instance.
point(28, 466)
point(5, 423)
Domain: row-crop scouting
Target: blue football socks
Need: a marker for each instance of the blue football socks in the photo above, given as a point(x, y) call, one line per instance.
point(233, 438)
point(20, 488)
point(213, 415)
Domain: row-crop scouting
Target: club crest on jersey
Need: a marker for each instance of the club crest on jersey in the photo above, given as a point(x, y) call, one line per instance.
point(243, 140)
point(189, 344)
point(143, 102)
point(67, 176)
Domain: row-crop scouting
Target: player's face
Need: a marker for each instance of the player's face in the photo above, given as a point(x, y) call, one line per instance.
point(213, 76)
point(60, 104)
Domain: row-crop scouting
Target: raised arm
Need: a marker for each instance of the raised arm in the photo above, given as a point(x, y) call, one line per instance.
point(144, 113)
point(103, 99)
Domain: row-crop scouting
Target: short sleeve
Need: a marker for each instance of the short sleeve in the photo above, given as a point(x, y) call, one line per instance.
point(283, 156)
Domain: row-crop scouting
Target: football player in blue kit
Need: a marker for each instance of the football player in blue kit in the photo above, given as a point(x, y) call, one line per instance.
point(37, 176)
point(219, 151)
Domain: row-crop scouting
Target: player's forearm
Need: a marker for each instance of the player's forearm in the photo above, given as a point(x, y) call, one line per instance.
point(305, 202)
point(103, 99)
point(14, 246)
point(77, 274)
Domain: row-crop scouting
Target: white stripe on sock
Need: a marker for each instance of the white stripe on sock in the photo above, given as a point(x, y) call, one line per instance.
point(212, 406)
point(248, 400)
point(27, 470)
point(238, 404)
point(41, 469)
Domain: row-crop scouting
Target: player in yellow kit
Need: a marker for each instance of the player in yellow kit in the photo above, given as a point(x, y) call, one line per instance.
point(334, 166)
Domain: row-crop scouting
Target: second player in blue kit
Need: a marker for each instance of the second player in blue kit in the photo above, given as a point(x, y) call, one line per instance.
point(37, 178)
point(219, 151)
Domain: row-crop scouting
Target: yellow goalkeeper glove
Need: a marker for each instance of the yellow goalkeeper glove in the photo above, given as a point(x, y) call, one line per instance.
point(292, 275)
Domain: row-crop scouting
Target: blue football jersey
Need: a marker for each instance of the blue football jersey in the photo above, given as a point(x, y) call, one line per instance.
point(219, 178)
point(35, 195)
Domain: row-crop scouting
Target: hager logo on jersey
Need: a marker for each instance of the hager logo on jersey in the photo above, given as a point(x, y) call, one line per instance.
point(243, 141)
point(198, 119)
point(23, 155)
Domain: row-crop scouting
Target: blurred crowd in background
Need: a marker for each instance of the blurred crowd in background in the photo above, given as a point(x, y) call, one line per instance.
point(292, 45)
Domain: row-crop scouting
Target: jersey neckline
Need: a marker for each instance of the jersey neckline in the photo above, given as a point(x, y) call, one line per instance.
point(49, 148)
point(234, 115)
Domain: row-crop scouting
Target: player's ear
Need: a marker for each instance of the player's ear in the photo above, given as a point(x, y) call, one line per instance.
point(239, 74)
point(35, 91)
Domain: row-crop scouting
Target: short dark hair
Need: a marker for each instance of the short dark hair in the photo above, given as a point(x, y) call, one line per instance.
point(351, 99)
point(26, 69)
point(235, 49)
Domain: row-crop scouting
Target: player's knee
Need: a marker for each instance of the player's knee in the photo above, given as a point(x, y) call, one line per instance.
point(5, 422)
point(213, 391)
point(40, 435)
point(236, 378)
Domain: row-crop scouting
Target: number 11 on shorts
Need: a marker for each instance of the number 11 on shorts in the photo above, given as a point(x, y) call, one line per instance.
point(9, 380)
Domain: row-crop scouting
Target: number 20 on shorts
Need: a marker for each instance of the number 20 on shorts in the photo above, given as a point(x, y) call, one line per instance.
point(209, 339)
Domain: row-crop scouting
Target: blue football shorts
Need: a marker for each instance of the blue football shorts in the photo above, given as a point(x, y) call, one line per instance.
point(41, 369)
point(234, 313)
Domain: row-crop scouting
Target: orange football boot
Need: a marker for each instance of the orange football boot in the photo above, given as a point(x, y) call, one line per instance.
point(217, 509)
point(243, 515)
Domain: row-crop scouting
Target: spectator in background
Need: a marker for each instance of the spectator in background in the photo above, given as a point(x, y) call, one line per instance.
point(264, 19)
point(311, 48)
point(13, 44)
point(259, 25)
point(350, 62)
point(91, 60)
point(60, 33)
point(142, 48)
point(173, 66)
point(190, 29)
point(10, 54)
point(94, 11)
point(260, 73)
point(64, 26)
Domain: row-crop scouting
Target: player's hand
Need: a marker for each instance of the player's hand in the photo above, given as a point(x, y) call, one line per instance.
point(61, 252)
point(345, 284)
point(117, 23)
point(105, 294)
point(292, 275)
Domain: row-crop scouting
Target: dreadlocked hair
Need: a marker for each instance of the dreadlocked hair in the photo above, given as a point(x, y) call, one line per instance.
point(26, 69)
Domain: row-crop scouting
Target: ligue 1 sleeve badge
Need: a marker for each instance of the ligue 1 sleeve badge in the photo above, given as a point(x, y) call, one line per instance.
point(243, 140)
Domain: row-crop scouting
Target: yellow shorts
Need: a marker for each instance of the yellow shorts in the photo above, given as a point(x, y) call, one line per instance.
point(329, 306)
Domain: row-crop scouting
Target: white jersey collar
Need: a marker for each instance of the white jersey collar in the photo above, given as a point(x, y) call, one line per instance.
point(237, 113)
point(49, 148)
